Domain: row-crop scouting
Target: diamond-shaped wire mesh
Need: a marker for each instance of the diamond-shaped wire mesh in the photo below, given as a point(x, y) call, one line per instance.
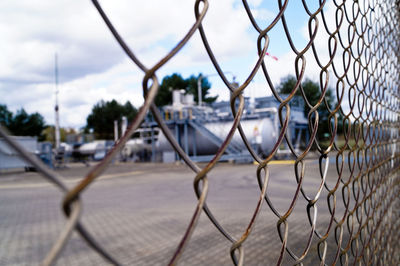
point(361, 192)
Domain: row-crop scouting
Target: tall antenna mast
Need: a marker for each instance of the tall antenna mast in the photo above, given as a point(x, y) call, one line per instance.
point(56, 109)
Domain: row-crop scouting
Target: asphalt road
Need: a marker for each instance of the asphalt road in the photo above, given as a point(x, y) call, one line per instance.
point(139, 213)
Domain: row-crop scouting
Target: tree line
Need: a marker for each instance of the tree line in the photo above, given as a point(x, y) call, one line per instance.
point(100, 121)
point(313, 93)
point(21, 123)
point(189, 85)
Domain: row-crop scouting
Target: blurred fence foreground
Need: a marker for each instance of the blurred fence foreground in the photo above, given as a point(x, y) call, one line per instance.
point(358, 158)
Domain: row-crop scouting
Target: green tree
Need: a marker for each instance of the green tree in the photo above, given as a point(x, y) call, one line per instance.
point(169, 83)
point(287, 84)
point(49, 133)
point(5, 116)
point(205, 87)
point(101, 120)
point(189, 85)
point(130, 111)
point(24, 124)
point(313, 93)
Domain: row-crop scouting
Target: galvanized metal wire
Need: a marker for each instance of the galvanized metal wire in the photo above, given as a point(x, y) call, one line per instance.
point(363, 60)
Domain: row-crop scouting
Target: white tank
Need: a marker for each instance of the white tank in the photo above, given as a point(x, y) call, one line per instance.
point(261, 133)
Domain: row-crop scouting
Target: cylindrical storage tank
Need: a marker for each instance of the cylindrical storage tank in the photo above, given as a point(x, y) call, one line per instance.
point(189, 99)
point(262, 134)
point(176, 97)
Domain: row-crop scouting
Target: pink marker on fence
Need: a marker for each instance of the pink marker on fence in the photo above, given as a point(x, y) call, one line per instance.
point(273, 57)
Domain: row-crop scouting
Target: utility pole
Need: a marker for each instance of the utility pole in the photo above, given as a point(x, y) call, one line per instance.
point(57, 122)
point(115, 131)
point(199, 90)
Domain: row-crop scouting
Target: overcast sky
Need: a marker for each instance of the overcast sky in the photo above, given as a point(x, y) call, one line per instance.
point(93, 67)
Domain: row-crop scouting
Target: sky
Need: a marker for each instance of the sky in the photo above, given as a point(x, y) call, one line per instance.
point(92, 66)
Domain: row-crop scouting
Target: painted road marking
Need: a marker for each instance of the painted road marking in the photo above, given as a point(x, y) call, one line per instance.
point(67, 181)
point(278, 162)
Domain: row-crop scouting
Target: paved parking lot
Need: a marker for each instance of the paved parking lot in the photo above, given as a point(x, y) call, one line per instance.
point(139, 213)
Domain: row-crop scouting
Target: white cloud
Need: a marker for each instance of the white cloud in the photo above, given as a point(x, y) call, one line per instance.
point(92, 66)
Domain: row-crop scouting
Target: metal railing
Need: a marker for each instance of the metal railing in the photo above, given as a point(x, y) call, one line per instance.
point(364, 61)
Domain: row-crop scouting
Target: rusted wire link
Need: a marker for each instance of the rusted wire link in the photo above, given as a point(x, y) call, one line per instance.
point(361, 57)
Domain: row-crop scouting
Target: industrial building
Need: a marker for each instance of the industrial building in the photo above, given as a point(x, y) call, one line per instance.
point(200, 130)
point(10, 159)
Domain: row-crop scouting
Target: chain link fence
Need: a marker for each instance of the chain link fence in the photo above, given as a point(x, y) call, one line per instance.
point(363, 48)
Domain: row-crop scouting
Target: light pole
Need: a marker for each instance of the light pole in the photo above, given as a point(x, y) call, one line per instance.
point(199, 92)
point(56, 109)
